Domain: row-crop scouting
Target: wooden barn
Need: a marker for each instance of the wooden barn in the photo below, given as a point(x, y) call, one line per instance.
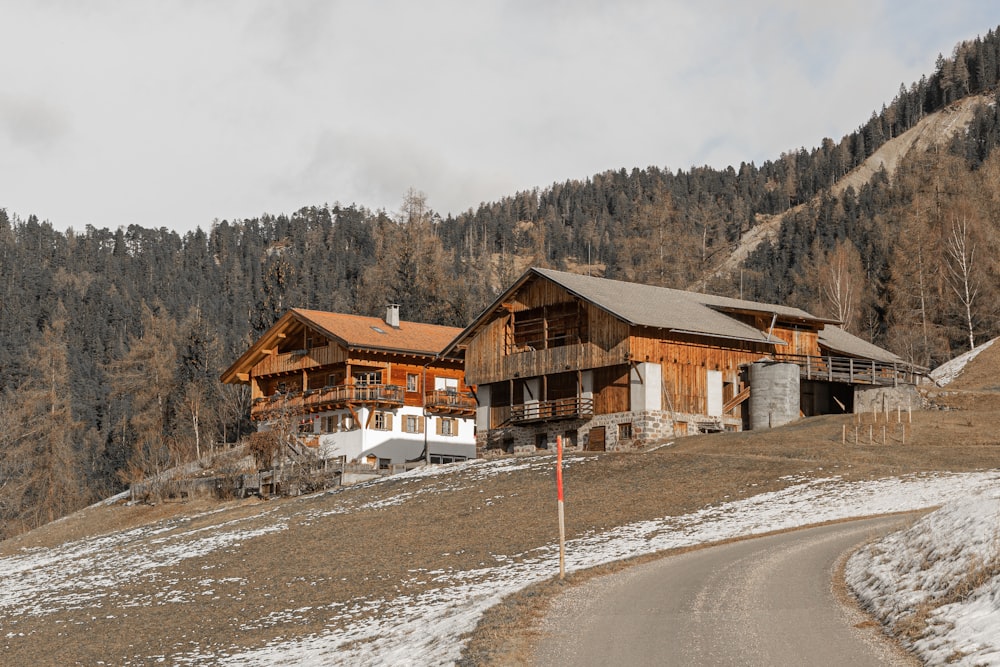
point(366, 389)
point(609, 364)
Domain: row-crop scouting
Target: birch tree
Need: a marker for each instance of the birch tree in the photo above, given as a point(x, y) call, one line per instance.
point(960, 251)
point(842, 283)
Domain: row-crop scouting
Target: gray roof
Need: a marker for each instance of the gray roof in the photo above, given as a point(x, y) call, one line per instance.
point(839, 341)
point(671, 309)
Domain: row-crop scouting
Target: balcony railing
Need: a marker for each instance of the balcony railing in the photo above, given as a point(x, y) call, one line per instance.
point(852, 371)
point(449, 402)
point(328, 398)
point(297, 360)
point(561, 408)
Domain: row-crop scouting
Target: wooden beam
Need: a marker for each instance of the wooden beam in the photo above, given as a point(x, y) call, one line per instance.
point(243, 377)
point(736, 400)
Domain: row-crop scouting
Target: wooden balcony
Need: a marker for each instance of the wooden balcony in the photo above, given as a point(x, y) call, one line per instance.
point(298, 360)
point(328, 398)
point(445, 402)
point(852, 371)
point(562, 408)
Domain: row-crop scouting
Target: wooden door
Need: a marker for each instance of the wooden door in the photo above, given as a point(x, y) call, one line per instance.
point(595, 441)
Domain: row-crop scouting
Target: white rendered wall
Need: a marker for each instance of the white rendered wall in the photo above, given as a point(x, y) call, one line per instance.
point(396, 445)
point(645, 387)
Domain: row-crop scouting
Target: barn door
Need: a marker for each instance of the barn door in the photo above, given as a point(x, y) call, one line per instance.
point(595, 442)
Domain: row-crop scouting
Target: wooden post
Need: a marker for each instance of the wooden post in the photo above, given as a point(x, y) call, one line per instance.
point(843, 436)
point(559, 496)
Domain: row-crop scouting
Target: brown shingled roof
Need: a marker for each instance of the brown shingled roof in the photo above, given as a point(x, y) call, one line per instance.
point(373, 332)
point(353, 332)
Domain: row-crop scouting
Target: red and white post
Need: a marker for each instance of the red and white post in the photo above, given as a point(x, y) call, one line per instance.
point(559, 496)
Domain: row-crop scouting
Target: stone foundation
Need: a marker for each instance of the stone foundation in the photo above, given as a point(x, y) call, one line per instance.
point(623, 431)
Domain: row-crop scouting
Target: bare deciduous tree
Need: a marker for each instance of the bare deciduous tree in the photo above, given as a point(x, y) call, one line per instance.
point(841, 283)
point(961, 255)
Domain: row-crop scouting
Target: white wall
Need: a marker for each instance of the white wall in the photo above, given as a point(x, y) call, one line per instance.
point(714, 388)
point(646, 387)
point(483, 408)
point(395, 444)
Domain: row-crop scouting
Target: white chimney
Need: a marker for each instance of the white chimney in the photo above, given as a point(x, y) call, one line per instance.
point(392, 315)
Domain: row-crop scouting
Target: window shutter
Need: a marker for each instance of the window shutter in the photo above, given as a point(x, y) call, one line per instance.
point(420, 423)
point(437, 423)
point(388, 421)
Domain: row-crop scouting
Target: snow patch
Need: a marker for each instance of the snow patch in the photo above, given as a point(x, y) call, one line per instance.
point(951, 556)
point(949, 370)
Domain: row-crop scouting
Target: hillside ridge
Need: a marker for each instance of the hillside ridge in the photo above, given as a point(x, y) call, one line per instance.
point(933, 131)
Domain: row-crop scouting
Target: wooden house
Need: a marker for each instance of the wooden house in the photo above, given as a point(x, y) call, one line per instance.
point(367, 389)
point(610, 364)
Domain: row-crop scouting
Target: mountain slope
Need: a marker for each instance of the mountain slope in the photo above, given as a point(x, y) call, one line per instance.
point(933, 131)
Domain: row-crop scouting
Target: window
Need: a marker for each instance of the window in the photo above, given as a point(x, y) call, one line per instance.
point(447, 426)
point(541, 441)
point(331, 380)
point(383, 464)
point(306, 426)
point(444, 458)
point(330, 423)
point(368, 378)
point(412, 382)
point(413, 424)
point(625, 431)
point(382, 421)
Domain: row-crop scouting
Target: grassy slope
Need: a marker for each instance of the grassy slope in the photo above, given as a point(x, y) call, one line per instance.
point(339, 547)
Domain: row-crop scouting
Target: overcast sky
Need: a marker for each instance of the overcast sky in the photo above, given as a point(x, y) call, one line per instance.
point(175, 113)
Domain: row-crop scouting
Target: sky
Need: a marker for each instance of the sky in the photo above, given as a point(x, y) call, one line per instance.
point(178, 113)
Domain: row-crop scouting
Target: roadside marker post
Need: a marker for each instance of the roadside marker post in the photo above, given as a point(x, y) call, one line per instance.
point(559, 496)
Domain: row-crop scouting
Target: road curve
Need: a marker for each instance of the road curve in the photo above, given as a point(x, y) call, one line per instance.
point(766, 601)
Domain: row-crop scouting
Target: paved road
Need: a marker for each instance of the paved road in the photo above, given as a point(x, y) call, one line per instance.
point(767, 601)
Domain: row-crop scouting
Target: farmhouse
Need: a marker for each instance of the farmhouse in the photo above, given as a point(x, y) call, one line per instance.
point(609, 364)
point(367, 389)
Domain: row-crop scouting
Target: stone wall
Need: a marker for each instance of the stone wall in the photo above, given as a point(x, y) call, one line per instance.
point(886, 399)
point(646, 427)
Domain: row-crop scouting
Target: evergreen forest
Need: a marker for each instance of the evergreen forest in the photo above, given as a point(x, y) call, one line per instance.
point(112, 340)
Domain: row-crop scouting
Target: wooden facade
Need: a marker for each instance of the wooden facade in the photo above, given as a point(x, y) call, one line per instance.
point(332, 374)
point(563, 348)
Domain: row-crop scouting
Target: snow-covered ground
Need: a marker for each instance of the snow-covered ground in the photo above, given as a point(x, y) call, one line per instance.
point(946, 568)
point(427, 628)
point(949, 370)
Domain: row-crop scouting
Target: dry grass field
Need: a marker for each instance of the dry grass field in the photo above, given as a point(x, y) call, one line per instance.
point(334, 549)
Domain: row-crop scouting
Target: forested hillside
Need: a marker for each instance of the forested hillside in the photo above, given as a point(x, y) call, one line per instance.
point(112, 341)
